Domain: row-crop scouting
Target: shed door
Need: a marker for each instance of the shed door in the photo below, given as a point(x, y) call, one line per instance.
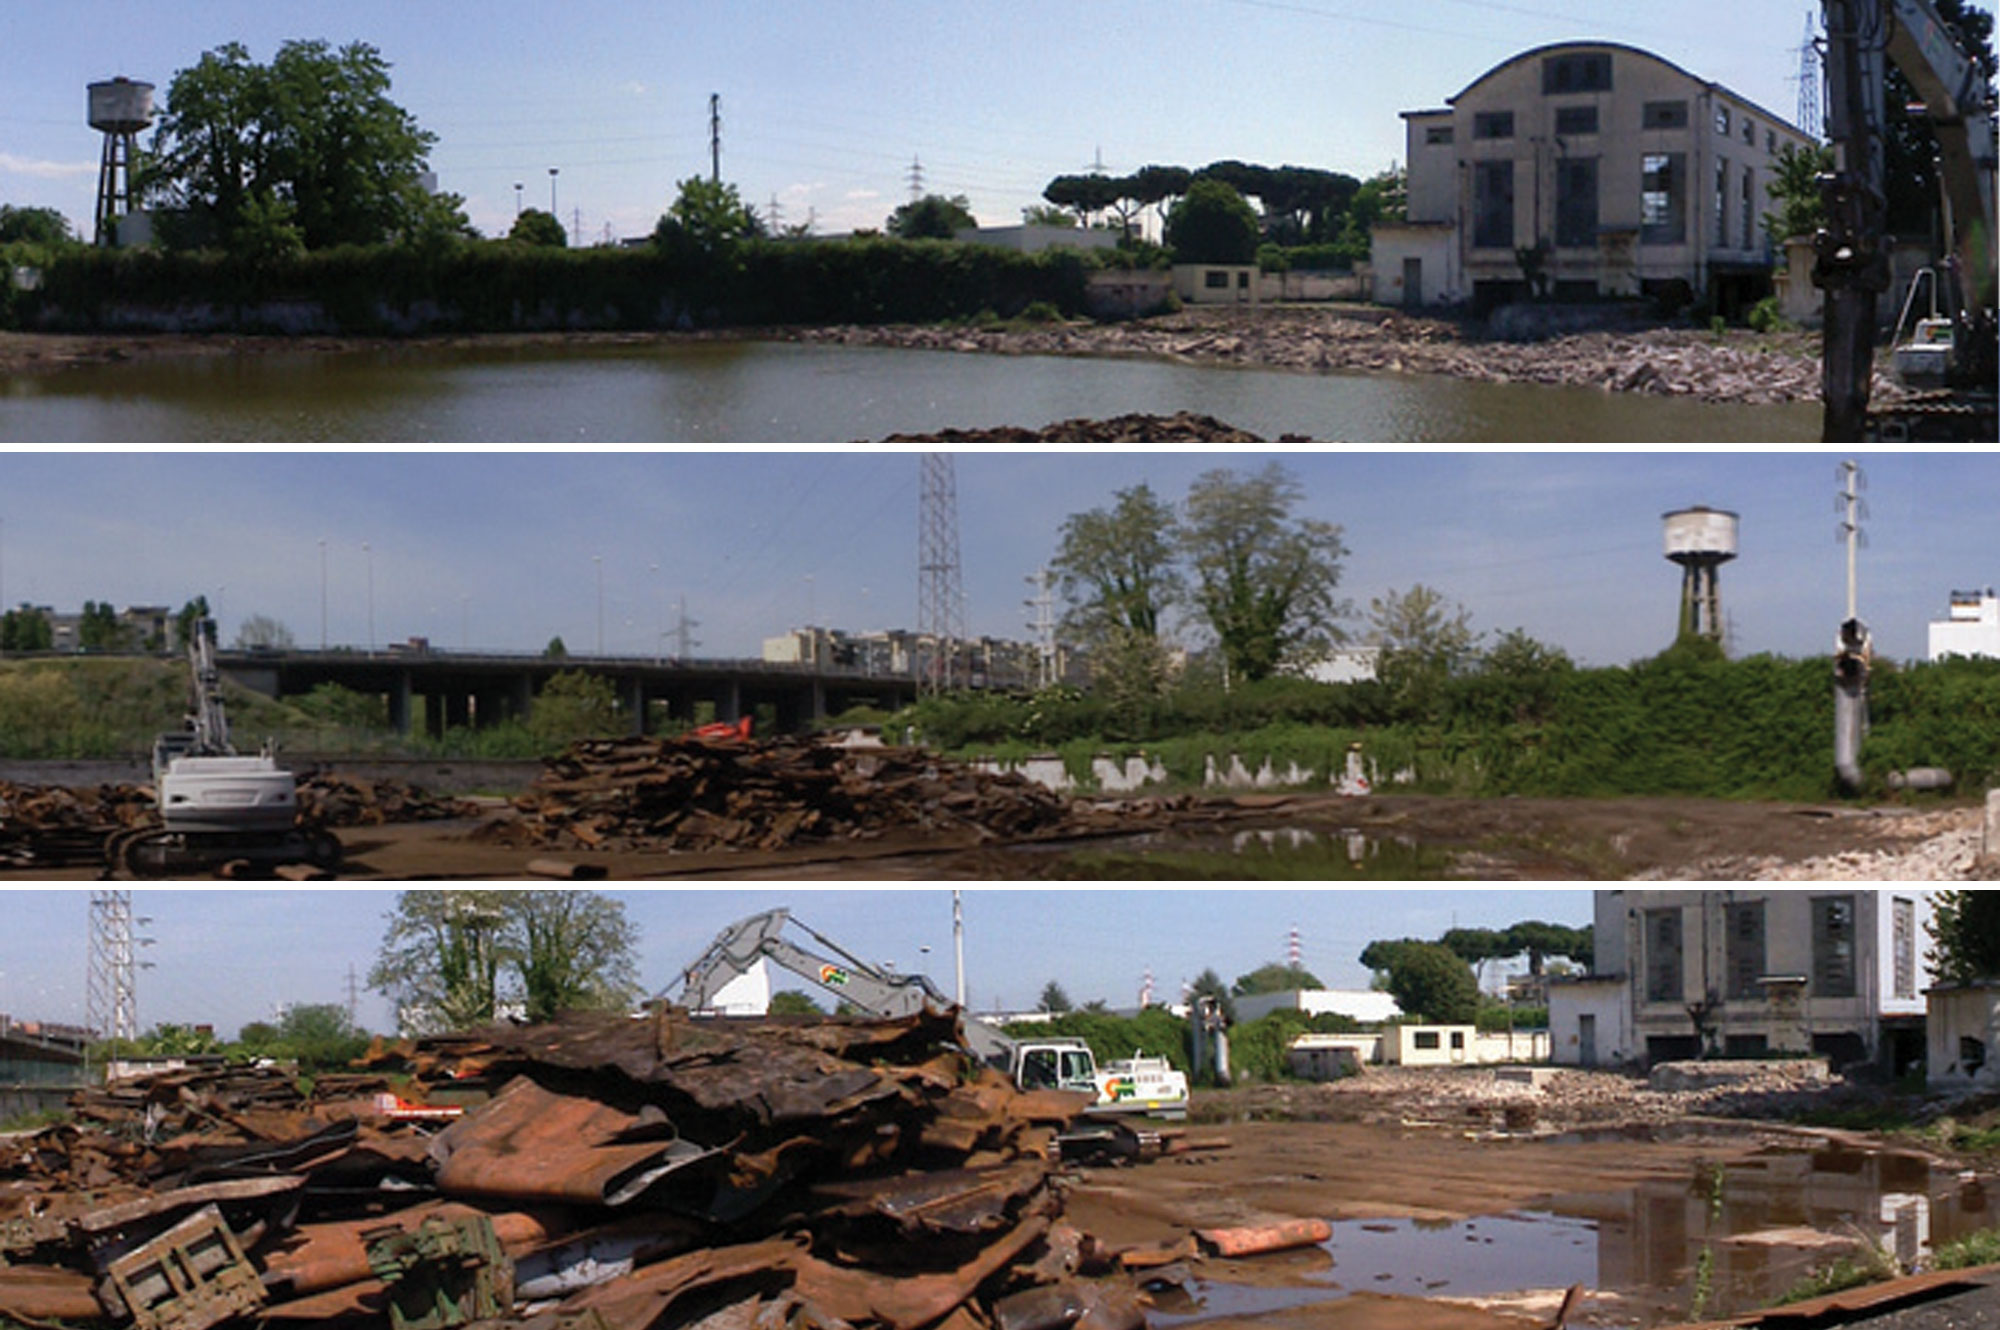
point(1586, 1039)
point(1413, 282)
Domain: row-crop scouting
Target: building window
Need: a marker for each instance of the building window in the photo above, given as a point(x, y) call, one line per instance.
point(1437, 136)
point(1426, 1039)
point(1493, 205)
point(1833, 946)
point(1458, 1041)
point(1903, 943)
point(1664, 115)
point(1749, 208)
point(1663, 198)
point(1663, 955)
point(1576, 201)
point(1770, 143)
point(1215, 279)
point(1745, 948)
point(1749, 132)
point(1588, 71)
point(1722, 120)
point(1721, 202)
point(1576, 120)
point(1493, 125)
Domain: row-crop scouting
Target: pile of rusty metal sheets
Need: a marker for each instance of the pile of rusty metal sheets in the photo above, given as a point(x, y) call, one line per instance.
point(45, 826)
point(688, 794)
point(330, 799)
point(605, 1172)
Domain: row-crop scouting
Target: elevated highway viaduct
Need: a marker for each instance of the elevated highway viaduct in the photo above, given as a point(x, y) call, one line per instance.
point(470, 689)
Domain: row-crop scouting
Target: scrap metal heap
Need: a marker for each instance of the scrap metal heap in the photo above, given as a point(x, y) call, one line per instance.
point(606, 1172)
point(688, 794)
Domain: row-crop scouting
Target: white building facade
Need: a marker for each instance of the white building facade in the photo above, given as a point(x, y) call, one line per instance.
point(1971, 626)
point(1629, 175)
point(1836, 972)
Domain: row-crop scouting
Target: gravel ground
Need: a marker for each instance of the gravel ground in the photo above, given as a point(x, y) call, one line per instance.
point(1921, 847)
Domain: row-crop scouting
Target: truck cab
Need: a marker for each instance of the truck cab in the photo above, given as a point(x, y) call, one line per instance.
point(1057, 1063)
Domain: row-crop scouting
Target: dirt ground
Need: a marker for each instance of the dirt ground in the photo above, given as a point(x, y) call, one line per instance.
point(1489, 840)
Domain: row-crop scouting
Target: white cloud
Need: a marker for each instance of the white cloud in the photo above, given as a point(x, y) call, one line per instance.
point(853, 195)
point(44, 170)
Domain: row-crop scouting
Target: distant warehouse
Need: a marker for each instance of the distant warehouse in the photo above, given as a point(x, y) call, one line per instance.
point(1616, 173)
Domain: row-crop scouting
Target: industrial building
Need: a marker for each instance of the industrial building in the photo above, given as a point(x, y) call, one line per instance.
point(1625, 175)
point(1686, 974)
point(1971, 627)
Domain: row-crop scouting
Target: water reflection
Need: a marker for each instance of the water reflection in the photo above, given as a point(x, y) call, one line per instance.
point(1267, 854)
point(742, 391)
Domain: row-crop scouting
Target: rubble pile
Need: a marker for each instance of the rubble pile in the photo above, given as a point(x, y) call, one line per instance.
point(604, 1172)
point(1135, 427)
point(330, 799)
point(45, 826)
point(688, 794)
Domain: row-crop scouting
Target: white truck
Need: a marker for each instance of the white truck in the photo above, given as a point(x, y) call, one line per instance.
point(1135, 1085)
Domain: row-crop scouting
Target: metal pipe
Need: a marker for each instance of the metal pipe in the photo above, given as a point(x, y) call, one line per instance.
point(1850, 702)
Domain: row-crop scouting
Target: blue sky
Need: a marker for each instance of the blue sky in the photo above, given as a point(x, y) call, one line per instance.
point(225, 957)
point(825, 103)
point(496, 550)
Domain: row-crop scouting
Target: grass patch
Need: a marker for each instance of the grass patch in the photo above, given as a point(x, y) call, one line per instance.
point(1980, 1248)
point(1845, 1273)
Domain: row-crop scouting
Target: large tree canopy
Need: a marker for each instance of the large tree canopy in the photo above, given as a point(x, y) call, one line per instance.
point(1965, 933)
point(932, 217)
point(1274, 978)
point(452, 958)
point(1264, 580)
point(306, 151)
point(1116, 567)
point(1212, 224)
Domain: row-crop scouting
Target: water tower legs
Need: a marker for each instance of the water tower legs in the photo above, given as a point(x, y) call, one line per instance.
point(114, 184)
point(1701, 601)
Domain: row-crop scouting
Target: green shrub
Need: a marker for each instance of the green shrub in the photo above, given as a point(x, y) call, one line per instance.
point(1766, 316)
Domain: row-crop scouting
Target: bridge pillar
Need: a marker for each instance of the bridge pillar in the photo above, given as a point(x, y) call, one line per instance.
point(635, 703)
point(730, 707)
point(399, 702)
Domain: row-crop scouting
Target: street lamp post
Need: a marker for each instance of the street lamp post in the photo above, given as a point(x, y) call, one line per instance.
point(369, 554)
point(465, 623)
point(659, 613)
point(517, 198)
point(598, 559)
point(552, 190)
point(322, 595)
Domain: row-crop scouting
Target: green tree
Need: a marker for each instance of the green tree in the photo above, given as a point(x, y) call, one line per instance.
point(1116, 568)
point(186, 619)
point(1209, 984)
point(1476, 946)
point(1212, 223)
point(1965, 936)
point(932, 217)
point(261, 630)
point(708, 219)
point(309, 146)
point(1795, 189)
point(1424, 641)
point(1380, 955)
point(98, 628)
point(1274, 978)
point(1539, 940)
point(536, 227)
point(574, 705)
point(332, 704)
point(319, 1035)
point(1381, 198)
point(555, 650)
point(1046, 214)
point(26, 629)
point(440, 959)
point(571, 951)
point(1264, 580)
point(1084, 195)
point(1053, 999)
point(33, 226)
point(794, 1002)
point(1429, 979)
point(1158, 187)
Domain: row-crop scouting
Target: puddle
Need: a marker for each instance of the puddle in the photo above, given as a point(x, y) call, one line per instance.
point(1726, 1240)
point(1270, 854)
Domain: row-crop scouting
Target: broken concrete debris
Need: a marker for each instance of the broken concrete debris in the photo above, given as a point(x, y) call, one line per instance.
point(692, 795)
point(603, 1172)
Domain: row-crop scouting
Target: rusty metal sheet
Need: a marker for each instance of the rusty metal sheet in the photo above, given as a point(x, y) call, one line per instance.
point(317, 1257)
point(531, 1144)
point(1088, 1306)
point(190, 1277)
point(44, 1293)
point(246, 1204)
point(958, 1201)
point(907, 1302)
point(644, 1297)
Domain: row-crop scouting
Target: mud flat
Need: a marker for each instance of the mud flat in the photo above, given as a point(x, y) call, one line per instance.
point(1736, 366)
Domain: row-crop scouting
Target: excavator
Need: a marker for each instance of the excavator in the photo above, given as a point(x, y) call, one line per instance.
point(1851, 258)
point(214, 805)
point(1135, 1085)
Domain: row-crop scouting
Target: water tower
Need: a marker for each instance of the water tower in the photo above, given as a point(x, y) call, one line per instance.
point(120, 108)
point(1701, 540)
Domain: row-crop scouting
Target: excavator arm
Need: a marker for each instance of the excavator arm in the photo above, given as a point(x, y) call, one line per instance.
point(1863, 37)
point(840, 973)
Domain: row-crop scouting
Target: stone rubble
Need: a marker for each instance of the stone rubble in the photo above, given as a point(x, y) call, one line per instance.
point(1943, 846)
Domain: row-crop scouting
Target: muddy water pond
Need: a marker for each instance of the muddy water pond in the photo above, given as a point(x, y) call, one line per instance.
point(1730, 1238)
point(719, 392)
